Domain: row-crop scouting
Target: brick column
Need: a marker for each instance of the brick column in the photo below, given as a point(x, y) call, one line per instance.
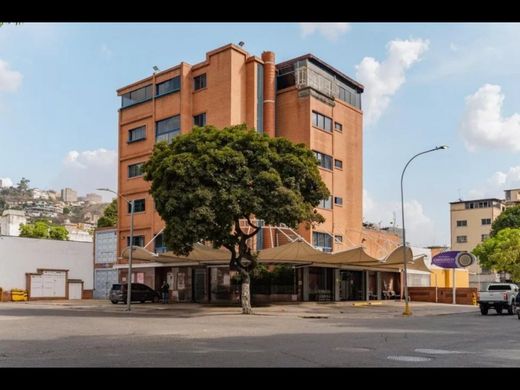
point(269, 92)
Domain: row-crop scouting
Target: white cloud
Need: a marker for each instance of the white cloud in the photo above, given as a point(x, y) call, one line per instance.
point(10, 79)
point(496, 184)
point(330, 31)
point(85, 171)
point(383, 79)
point(6, 182)
point(483, 126)
point(420, 229)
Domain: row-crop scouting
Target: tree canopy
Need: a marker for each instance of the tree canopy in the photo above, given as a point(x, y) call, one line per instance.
point(109, 218)
point(501, 252)
point(44, 229)
point(509, 218)
point(205, 182)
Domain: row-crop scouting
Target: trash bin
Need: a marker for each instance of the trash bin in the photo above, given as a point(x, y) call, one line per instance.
point(18, 295)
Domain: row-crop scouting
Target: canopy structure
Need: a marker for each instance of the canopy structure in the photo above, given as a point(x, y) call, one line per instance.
point(297, 252)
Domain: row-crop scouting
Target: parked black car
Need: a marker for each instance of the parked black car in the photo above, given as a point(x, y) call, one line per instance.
point(140, 292)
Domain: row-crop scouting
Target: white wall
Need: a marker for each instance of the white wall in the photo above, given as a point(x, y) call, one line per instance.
point(19, 255)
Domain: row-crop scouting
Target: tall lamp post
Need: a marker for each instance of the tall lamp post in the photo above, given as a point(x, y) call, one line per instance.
point(129, 276)
point(407, 311)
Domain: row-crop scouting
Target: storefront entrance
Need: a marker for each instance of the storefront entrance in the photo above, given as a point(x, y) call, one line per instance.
point(200, 285)
point(351, 286)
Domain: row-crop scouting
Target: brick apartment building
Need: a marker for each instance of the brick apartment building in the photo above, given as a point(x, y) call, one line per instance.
point(303, 99)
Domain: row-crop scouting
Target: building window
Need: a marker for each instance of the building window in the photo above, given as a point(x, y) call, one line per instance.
point(199, 120)
point(338, 164)
point(138, 206)
point(167, 129)
point(137, 96)
point(321, 121)
point(338, 200)
point(462, 239)
point(338, 238)
point(326, 203)
point(138, 241)
point(199, 82)
point(171, 85)
point(137, 134)
point(160, 245)
point(324, 160)
point(486, 221)
point(484, 237)
point(322, 240)
point(338, 127)
point(135, 170)
point(462, 223)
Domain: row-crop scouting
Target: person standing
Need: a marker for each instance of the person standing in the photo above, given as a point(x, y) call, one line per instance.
point(165, 289)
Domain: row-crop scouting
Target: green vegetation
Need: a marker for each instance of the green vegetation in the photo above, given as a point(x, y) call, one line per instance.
point(501, 252)
point(109, 218)
point(205, 182)
point(44, 229)
point(509, 218)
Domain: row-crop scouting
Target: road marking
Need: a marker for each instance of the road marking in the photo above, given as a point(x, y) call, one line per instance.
point(409, 358)
point(437, 351)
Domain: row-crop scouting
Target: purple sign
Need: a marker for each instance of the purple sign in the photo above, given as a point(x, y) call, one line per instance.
point(453, 259)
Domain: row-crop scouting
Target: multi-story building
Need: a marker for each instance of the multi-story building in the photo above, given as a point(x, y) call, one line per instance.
point(304, 99)
point(69, 195)
point(105, 256)
point(470, 222)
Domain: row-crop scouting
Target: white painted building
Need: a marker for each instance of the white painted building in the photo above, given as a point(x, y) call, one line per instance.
point(10, 222)
point(46, 268)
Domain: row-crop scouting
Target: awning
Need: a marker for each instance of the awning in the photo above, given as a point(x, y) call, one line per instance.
point(297, 252)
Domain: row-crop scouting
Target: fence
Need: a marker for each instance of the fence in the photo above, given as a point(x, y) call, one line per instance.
point(463, 295)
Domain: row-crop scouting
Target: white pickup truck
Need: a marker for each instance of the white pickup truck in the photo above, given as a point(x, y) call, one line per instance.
point(498, 296)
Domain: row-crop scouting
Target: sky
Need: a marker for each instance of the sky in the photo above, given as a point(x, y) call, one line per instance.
point(426, 84)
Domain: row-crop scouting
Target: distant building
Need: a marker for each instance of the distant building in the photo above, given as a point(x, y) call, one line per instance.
point(52, 195)
point(10, 222)
point(471, 222)
point(69, 195)
point(39, 194)
point(94, 198)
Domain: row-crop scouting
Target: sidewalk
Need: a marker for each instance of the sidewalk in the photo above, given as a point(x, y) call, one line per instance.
point(359, 309)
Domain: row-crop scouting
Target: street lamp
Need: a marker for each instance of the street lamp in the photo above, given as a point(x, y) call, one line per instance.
point(129, 276)
point(407, 311)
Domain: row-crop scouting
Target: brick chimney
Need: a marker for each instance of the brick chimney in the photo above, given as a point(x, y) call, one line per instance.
point(269, 92)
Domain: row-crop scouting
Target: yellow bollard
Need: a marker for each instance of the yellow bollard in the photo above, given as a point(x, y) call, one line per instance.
point(474, 300)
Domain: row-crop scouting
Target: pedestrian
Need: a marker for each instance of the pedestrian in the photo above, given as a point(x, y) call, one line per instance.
point(165, 289)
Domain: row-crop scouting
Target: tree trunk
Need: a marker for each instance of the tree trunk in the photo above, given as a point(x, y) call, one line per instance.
point(246, 295)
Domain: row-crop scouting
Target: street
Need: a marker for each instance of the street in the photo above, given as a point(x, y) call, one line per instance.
point(96, 333)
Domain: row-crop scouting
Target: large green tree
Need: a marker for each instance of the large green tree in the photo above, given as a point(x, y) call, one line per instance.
point(509, 218)
point(205, 182)
point(44, 229)
point(109, 218)
point(501, 252)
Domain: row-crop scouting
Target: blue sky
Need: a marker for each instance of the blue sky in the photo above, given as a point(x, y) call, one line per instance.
point(427, 84)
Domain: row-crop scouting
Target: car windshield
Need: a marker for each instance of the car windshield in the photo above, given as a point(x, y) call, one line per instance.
point(116, 287)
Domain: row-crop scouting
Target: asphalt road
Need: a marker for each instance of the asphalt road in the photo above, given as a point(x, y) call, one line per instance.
point(49, 336)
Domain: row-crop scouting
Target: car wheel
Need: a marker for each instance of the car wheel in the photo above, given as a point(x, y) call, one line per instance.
point(484, 310)
point(518, 314)
point(114, 302)
point(499, 310)
point(511, 309)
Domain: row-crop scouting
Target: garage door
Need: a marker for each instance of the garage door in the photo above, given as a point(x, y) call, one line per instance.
point(103, 281)
point(50, 284)
point(75, 290)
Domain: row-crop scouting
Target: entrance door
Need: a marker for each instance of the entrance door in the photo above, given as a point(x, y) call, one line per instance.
point(199, 285)
point(351, 286)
